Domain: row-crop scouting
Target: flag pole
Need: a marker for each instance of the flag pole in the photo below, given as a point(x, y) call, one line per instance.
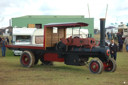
point(106, 11)
point(88, 10)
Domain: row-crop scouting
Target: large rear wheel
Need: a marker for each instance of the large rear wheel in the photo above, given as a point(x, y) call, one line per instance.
point(27, 59)
point(96, 66)
point(110, 65)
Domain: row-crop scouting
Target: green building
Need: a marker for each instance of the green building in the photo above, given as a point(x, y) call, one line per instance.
point(38, 21)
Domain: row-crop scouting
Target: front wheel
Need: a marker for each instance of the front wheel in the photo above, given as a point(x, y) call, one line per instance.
point(110, 65)
point(27, 59)
point(96, 66)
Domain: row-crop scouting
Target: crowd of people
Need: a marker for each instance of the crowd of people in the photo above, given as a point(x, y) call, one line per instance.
point(111, 36)
point(117, 47)
point(3, 42)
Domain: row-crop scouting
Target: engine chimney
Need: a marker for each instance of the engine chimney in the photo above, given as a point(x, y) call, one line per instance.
point(102, 32)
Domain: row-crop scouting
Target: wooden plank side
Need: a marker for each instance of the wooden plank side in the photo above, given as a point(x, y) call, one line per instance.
point(61, 33)
point(53, 38)
point(48, 37)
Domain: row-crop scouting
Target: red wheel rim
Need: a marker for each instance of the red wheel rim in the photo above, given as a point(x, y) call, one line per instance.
point(94, 66)
point(108, 66)
point(25, 59)
point(108, 52)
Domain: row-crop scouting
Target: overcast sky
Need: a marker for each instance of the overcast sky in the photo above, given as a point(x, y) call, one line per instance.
point(117, 9)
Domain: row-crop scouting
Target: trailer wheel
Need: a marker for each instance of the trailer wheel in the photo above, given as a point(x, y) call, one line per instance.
point(45, 62)
point(27, 59)
point(96, 66)
point(110, 65)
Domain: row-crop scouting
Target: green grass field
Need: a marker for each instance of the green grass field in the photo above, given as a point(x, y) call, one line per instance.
point(12, 73)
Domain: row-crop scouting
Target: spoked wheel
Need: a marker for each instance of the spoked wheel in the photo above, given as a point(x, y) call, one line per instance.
point(96, 66)
point(110, 65)
point(27, 59)
point(45, 62)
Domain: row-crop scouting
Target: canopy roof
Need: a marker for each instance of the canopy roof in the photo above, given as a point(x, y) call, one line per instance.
point(110, 27)
point(67, 25)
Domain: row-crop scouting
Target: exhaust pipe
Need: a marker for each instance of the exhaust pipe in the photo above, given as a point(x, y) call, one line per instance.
point(102, 32)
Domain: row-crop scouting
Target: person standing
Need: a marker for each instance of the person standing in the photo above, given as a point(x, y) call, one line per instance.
point(7, 40)
point(0, 39)
point(108, 35)
point(120, 41)
point(126, 43)
point(3, 43)
point(113, 49)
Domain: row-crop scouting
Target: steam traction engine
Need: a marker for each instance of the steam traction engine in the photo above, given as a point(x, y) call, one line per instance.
point(71, 50)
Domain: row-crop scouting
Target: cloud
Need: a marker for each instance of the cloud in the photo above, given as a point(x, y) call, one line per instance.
point(17, 9)
point(117, 9)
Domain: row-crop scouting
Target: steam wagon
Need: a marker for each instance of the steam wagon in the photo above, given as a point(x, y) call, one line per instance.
point(73, 50)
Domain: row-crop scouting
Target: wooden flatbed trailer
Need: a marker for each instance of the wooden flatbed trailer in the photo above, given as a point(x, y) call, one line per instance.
point(71, 51)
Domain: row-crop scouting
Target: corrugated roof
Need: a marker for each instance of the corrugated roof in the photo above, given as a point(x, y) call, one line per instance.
point(52, 16)
point(77, 24)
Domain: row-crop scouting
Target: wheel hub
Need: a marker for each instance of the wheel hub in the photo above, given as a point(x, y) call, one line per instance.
point(25, 60)
point(94, 66)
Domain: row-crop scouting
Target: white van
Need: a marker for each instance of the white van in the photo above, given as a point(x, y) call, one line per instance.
point(125, 32)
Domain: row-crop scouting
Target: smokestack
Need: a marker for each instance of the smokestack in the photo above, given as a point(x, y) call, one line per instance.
point(102, 32)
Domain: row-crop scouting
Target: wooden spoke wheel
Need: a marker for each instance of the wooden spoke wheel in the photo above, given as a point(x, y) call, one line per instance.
point(110, 65)
point(96, 66)
point(27, 59)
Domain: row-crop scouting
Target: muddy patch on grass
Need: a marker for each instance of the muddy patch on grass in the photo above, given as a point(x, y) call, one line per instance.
point(5, 71)
point(22, 70)
point(3, 80)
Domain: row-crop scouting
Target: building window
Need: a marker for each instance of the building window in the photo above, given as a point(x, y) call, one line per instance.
point(39, 26)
